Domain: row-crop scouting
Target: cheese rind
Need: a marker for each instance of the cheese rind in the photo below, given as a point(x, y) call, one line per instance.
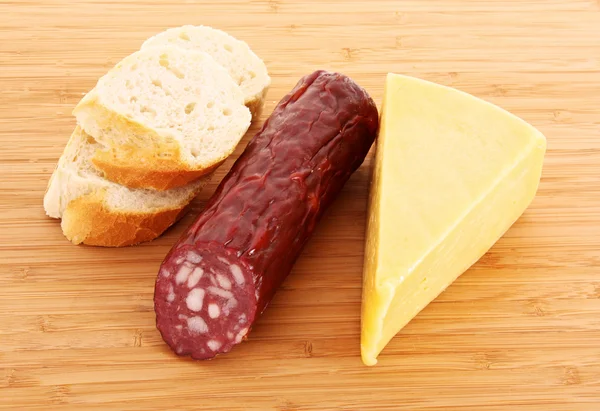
point(452, 174)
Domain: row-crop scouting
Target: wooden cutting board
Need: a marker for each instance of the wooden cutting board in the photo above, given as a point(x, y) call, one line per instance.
point(518, 331)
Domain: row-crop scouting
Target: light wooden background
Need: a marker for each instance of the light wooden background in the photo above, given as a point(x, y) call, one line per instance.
point(519, 331)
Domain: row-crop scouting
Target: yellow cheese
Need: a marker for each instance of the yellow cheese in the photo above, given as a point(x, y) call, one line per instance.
point(452, 174)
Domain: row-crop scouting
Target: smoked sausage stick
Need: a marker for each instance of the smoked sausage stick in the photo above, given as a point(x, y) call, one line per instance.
point(223, 271)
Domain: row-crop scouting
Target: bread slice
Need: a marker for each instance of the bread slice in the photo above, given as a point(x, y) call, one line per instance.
point(245, 67)
point(96, 211)
point(166, 116)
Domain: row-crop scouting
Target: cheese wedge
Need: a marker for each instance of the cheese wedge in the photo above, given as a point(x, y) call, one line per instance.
point(452, 174)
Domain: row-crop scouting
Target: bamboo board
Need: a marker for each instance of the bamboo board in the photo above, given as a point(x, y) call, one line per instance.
point(518, 331)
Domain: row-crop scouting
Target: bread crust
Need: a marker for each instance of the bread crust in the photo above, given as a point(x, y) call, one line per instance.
point(90, 220)
point(159, 167)
point(137, 168)
point(257, 103)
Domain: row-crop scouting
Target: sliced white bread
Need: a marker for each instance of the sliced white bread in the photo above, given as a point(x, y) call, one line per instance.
point(96, 211)
point(166, 116)
point(245, 67)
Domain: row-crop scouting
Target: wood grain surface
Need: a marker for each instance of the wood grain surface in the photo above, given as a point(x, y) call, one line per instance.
point(518, 331)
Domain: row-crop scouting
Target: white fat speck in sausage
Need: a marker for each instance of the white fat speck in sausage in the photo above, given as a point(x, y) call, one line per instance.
point(171, 294)
point(194, 257)
point(224, 282)
point(197, 325)
point(220, 292)
point(183, 273)
point(231, 304)
point(240, 335)
point(195, 277)
point(236, 271)
point(213, 311)
point(195, 299)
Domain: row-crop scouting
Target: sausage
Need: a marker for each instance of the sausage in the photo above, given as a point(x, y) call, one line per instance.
point(223, 271)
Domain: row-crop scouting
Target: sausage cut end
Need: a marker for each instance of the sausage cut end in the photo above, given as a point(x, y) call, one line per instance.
point(207, 306)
